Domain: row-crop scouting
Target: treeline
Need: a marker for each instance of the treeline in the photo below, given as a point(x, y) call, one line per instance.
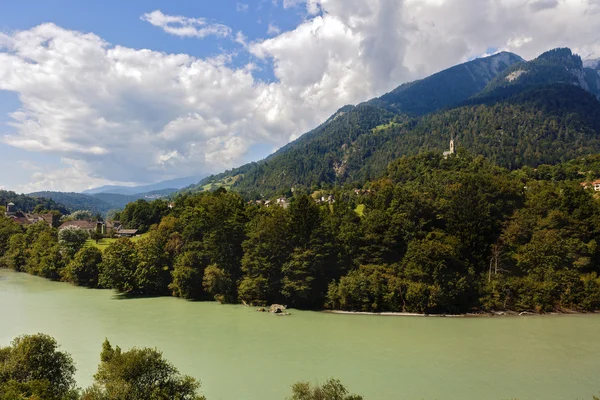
point(30, 204)
point(512, 127)
point(437, 236)
point(34, 368)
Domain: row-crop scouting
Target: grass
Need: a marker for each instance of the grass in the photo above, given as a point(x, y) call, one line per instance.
point(104, 243)
point(360, 210)
point(385, 126)
point(226, 183)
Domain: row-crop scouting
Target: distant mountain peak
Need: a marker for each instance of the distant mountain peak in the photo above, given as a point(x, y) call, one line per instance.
point(592, 63)
point(446, 88)
point(178, 183)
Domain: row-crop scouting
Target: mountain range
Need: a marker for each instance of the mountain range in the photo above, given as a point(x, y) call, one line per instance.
point(513, 111)
point(173, 184)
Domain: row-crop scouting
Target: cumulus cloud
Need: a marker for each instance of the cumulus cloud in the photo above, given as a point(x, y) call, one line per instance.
point(135, 115)
point(186, 27)
point(73, 176)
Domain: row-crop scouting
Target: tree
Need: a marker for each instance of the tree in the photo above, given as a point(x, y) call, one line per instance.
point(83, 270)
point(32, 367)
point(216, 282)
point(7, 229)
point(16, 255)
point(119, 262)
point(46, 257)
point(330, 390)
point(72, 239)
point(139, 374)
point(152, 272)
point(265, 251)
point(187, 276)
point(81, 215)
point(96, 236)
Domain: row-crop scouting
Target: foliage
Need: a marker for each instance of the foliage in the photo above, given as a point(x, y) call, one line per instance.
point(29, 203)
point(141, 214)
point(33, 367)
point(139, 374)
point(545, 117)
point(83, 270)
point(71, 239)
point(330, 390)
point(117, 270)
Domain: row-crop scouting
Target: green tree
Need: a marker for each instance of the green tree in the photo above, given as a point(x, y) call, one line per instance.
point(83, 270)
point(119, 262)
point(81, 215)
point(139, 374)
point(72, 239)
point(330, 390)
point(187, 276)
point(32, 367)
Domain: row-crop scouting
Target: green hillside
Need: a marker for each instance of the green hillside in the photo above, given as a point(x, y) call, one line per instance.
point(530, 113)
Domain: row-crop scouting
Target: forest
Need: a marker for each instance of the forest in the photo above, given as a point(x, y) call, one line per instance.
point(514, 112)
point(434, 236)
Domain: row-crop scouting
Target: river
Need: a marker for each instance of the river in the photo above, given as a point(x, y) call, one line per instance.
point(240, 354)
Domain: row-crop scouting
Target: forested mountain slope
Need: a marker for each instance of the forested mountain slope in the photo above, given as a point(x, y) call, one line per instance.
point(447, 88)
point(27, 203)
point(542, 111)
point(554, 66)
point(100, 203)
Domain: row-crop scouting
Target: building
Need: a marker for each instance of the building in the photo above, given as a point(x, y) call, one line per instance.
point(283, 202)
point(127, 232)
point(89, 226)
point(27, 219)
point(451, 151)
point(10, 209)
point(595, 185)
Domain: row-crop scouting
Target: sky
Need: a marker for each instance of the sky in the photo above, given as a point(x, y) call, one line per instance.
point(139, 91)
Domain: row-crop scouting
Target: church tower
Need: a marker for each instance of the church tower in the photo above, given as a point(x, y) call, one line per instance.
point(451, 151)
point(10, 209)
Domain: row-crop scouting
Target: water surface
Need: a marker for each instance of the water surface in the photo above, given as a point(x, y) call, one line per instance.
point(241, 354)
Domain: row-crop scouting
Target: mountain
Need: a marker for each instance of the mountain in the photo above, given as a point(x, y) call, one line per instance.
point(173, 185)
point(592, 64)
point(526, 113)
point(100, 203)
point(29, 203)
point(446, 88)
point(552, 67)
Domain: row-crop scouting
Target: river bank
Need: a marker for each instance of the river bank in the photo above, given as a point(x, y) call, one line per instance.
point(466, 315)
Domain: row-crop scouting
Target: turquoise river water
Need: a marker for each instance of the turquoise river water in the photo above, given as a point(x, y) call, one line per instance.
point(240, 354)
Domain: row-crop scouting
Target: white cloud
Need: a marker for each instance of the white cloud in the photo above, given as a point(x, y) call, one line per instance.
point(517, 42)
point(273, 30)
point(74, 176)
point(241, 7)
point(135, 115)
point(186, 27)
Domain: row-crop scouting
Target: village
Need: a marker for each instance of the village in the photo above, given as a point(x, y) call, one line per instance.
point(100, 228)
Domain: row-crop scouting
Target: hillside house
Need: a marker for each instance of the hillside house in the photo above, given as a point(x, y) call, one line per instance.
point(89, 226)
point(283, 202)
point(127, 232)
point(26, 219)
point(594, 185)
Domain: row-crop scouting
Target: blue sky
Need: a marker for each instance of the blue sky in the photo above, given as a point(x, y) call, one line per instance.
point(127, 92)
point(119, 22)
